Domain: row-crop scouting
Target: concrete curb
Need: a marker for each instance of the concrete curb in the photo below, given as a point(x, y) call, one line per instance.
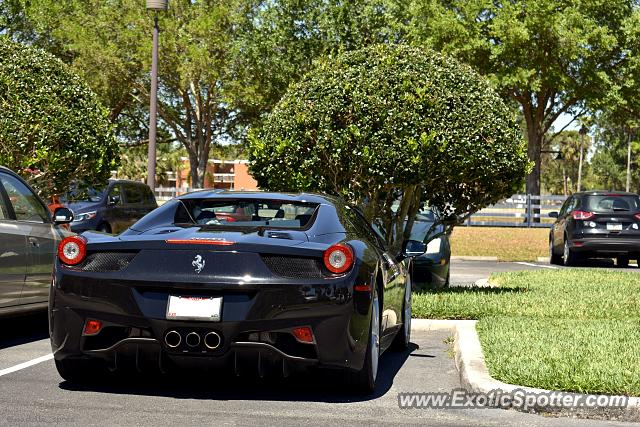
point(475, 378)
point(544, 259)
point(474, 258)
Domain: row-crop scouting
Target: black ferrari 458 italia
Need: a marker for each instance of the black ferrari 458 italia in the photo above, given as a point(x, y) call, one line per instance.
point(251, 282)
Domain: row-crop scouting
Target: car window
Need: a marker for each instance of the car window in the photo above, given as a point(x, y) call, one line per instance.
point(245, 213)
point(132, 194)
point(565, 206)
point(363, 227)
point(4, 211)
point(612, 203)
point(26, 205)
point(115, 192)
point(83, 194)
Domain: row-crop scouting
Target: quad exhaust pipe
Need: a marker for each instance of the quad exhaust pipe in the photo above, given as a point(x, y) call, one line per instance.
point(173, 339)
point(212, 340)
point(192, 339)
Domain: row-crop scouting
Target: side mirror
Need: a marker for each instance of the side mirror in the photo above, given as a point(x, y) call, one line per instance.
point(62, 216)
point(114, 200)
point(413, 248)
point(553, 214)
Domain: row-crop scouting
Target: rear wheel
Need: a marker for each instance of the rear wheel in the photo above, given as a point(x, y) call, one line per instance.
point(403, 337)
point(622, 261)
point(553, 258)
point(568, 256)
point(364, 380)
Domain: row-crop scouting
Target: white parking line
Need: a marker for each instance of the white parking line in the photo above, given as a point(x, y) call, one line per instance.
point(26, 364)
point(537, 265)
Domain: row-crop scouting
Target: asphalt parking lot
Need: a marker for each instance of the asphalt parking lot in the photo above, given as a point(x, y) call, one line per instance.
point(468, 272)
point(36, 394)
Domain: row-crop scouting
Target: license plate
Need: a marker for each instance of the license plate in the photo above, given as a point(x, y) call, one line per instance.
point(614, 227)
point(194, 308)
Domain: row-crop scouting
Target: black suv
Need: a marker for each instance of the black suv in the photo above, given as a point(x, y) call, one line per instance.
point(596, 224)
point(111, 209)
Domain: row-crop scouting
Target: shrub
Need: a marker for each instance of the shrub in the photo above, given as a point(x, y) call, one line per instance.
point(387, 120)
point(52, 128)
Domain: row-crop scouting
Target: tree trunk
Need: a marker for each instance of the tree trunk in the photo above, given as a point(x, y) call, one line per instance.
point(202, 168)
point(534, 146)
point(193, 170)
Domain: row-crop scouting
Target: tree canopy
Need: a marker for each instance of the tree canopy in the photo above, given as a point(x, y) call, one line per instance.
point(389, 119)
point(51, 123)
point(224, 65)
point(110, 46)
point(549, 57)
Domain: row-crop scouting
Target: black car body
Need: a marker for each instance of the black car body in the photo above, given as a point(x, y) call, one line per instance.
point(28, 241)
point(111, 209)
point(281, 306)
point(596, 224)
point(431, 269)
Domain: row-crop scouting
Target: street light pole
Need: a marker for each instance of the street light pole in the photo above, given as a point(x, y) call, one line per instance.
point(153, 110)
point(155, 6)
point(582, 132)
point(628, 187)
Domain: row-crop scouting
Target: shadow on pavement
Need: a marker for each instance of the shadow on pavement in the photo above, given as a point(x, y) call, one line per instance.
point(313, 386)
point(23, 329)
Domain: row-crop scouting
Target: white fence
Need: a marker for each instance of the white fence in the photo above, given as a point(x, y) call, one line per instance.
point(167, 193)
point(519, 210)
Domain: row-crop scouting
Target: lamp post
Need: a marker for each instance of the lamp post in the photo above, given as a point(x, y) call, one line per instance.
point(155, 6)
point(582, 132)
point(628, 186)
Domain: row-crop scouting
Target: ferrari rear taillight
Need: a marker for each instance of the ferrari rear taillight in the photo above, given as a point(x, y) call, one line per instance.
point(303, 334)
point(92, 327)
point(338, 258)
point(72, 250)
point(637, 216)
point(583, 215)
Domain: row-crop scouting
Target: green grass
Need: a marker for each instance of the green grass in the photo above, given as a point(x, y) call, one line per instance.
point(574, 330)
point(506, 243)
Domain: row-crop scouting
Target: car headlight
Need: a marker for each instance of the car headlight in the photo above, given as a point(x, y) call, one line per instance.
point(84, 216)
point(433, 247)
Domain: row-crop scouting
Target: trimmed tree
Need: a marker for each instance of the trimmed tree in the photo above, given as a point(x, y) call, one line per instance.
point(52, 128)
point(393, 122)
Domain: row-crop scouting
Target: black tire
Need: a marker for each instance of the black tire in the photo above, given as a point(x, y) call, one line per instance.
point(80, 371)
point(569, 257)
point(622, 261)
point(403, 336)
point(104, 228)
point(364, 380)
point(448, 279)
point(553, 257)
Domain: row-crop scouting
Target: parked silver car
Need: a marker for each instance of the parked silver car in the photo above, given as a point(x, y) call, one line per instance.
point(29, 237)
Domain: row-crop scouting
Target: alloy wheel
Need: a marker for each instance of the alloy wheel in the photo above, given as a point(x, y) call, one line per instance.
point(375, 334)
point(407, 312)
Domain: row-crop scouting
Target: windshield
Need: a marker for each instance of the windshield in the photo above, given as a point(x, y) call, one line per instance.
point(243, 213)
point(612, 203)
point(83, 195)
